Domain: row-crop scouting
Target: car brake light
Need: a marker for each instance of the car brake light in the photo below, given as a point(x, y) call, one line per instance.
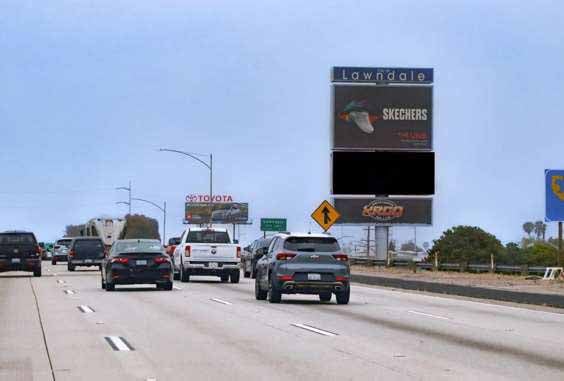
point(71, 253)
point(285, 278)
point(159, 260)
point(285, 256)
point(238, 252)
point(37, 250)
point(341, 257)
point(120, 260)
point(339, 278)
point(187, 251)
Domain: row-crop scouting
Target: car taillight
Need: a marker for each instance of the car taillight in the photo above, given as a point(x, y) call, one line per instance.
point(341, 257)
point(37, 250)
point(187, 251)
point(284, 278)
point(238, 252)
point(71, 253)
point(159, 260)
point(285, 256)
point(339, 278)
point(122, 261)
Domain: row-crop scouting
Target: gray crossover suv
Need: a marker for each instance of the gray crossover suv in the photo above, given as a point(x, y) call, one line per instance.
point(303, 264)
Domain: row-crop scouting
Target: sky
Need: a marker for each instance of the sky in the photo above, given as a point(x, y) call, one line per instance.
point(91, 89)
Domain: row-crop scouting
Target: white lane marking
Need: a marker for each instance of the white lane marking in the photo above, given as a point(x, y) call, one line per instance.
point(177, 288)
point(61, 281)
point(69, 292)
point(85, 309)
point(221, 301)
point(429, 315)
point(118, 343)
point(313, 329)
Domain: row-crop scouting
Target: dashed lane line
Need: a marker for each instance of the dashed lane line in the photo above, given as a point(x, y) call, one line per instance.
point(315, 330)
point(118, 343)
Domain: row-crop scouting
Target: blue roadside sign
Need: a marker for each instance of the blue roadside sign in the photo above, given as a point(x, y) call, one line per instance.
point(554, 184)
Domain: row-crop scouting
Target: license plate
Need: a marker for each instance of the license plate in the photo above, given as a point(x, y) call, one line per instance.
point(212, 265)
point(16, 260)
point(88, 261)
point(141, 262)
point(314, 276)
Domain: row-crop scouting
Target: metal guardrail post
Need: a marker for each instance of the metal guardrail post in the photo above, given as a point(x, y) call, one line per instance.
point(525, 270)
point(492, 263)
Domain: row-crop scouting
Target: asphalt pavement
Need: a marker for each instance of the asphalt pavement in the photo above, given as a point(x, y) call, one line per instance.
point(63, 326)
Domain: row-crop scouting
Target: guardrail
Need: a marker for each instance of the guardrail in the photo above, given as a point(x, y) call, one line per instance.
point(461, 267)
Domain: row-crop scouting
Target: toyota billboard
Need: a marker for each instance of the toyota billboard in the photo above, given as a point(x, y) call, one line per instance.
point(221, 212)
point(382, 117)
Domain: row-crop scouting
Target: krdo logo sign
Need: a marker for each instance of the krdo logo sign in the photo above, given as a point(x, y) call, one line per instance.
point(383, 210)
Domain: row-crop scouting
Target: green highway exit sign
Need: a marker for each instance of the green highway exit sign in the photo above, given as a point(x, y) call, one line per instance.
point(273, 224)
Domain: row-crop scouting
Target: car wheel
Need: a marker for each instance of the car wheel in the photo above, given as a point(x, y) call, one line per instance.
point(184, 276)
point(343, 296)
point(102, 283)
point(235, 276)
point(274, 295)
point(259, 293)
point(53, 262)
point(70, 267)
point(167, 286)
point(175, 275)
point(37, 272)
point(110, 286)
point(224, 278)
point(246, 274)
point(325, 296)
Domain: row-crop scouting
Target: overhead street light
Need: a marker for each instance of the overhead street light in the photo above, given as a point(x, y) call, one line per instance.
point(207, 165)
point(129, 190)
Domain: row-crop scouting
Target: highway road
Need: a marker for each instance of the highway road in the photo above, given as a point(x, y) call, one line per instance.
point(63, 326)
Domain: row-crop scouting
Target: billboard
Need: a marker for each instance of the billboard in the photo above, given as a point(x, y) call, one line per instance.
point(385, 211)
point(382, 117)
point(222, 212)
point(554, 189)
point(383, 173)
point(382, 74)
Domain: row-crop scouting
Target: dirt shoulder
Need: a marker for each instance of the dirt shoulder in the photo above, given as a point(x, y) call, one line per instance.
point(496, 281)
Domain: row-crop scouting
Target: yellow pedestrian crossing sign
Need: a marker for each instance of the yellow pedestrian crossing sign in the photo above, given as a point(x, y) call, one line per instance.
point(325, 215)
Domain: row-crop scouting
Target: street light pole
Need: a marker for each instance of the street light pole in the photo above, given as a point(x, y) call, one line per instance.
point(162, 209)
point(128, 189)
point(207, 165)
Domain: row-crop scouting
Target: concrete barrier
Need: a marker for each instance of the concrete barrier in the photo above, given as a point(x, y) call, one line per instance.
point(552, 300)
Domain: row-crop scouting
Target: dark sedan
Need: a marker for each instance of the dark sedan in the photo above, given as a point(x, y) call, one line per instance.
point(137, 261)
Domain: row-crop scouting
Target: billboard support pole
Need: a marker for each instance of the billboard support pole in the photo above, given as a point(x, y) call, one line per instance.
point(559, 258)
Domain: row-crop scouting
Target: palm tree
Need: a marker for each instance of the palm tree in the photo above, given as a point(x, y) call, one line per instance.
point(539, 228)
point(528, 227)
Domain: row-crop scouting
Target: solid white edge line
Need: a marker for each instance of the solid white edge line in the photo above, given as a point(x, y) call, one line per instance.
point(221, 301)
point(120, 345)
point(312, 329)
point(177, 288)
point(428, 315)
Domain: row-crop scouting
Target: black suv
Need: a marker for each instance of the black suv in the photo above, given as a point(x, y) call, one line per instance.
point(19, 251)
point(85, 251)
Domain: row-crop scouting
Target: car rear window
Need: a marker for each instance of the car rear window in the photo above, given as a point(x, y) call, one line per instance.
point(88, 244)
point(312, 244)
point(207, 236)
point(145, 247)
point(17, 239)
point(64, 242)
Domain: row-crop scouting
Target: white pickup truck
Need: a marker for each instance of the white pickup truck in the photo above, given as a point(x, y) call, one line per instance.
point(207, 251)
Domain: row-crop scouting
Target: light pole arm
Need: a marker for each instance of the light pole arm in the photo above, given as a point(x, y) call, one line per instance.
point(149, 202)
point(123, 202)
point(208, 166)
